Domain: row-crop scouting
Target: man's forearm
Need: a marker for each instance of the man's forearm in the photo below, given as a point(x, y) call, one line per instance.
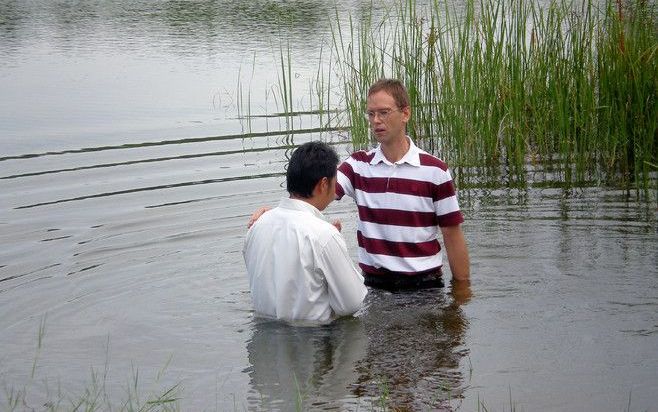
point(459, 263)
point(457, 251)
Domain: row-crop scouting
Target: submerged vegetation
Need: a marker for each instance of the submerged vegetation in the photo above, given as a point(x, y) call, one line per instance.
point(41, 393)
point(510, 91)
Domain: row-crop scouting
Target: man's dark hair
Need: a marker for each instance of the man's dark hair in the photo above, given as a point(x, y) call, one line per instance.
point(308, 164)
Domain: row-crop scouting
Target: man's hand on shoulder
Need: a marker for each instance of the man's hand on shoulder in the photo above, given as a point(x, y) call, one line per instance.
point(256, 215)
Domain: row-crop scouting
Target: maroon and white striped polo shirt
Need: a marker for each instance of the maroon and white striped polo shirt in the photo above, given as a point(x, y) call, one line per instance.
point(401, 206)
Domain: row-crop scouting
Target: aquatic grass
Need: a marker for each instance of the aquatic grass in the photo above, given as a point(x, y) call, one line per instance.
point(299, 398)
point(93, 397)
point(40, 336)
point(627, 64)
point(357, 69)
point(285, 84)
point(321, 95)
point(241, 104)
point(510, 88)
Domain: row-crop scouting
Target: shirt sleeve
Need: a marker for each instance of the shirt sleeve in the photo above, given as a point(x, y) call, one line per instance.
point(446, 205)
point(345, 283)
point(344, 184)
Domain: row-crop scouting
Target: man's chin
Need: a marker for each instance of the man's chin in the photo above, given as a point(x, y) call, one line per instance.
point(379, 136)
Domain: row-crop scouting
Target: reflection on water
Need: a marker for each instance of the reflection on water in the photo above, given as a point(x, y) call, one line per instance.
point(93, 74)
point(415, 346)
point(404, 349)
point(165, 23)
point(304, 368)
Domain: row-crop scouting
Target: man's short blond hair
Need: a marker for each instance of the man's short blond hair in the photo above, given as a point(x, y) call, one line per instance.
point(393, 87)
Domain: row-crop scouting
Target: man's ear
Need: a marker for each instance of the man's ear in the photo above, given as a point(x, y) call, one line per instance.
point(326, 184)
point(406, 111)
point(321, 186)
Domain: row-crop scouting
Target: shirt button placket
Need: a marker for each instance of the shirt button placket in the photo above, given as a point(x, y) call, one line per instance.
point(392, 174)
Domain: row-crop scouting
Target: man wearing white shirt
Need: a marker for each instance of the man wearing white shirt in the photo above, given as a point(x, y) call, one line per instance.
point(298, 265)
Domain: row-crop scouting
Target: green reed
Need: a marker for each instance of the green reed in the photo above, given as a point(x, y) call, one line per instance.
point(285, 82)
point(507, 87)
point(36, 393)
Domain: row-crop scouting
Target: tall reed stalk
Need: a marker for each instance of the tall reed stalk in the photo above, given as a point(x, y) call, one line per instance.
point(507, 87)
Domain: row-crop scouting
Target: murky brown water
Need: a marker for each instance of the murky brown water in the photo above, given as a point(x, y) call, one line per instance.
point(123, 205)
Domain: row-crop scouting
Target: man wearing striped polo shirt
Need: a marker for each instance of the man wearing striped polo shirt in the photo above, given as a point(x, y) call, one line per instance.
point(404, 197)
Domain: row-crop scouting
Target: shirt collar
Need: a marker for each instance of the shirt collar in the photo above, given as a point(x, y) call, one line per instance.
point(300, 205)
point(412, 156)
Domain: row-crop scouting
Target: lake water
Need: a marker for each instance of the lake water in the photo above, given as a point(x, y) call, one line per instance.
point(126, 182)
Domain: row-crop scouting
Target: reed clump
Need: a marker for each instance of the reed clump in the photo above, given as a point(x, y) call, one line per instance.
point(565, 92)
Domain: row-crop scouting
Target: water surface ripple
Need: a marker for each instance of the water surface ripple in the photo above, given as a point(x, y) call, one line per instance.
point(128, 170)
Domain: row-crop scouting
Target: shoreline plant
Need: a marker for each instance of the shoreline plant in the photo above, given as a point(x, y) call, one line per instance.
point(510, 91)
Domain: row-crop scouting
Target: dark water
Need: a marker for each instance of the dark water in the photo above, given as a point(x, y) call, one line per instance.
point(125, 186)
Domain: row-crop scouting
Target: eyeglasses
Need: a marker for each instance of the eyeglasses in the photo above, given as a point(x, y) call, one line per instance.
point(383, 114)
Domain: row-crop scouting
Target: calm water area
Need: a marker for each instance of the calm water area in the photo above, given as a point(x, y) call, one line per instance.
point(127, 179)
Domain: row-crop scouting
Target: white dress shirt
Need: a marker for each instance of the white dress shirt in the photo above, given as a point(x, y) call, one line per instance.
point(299, 267)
